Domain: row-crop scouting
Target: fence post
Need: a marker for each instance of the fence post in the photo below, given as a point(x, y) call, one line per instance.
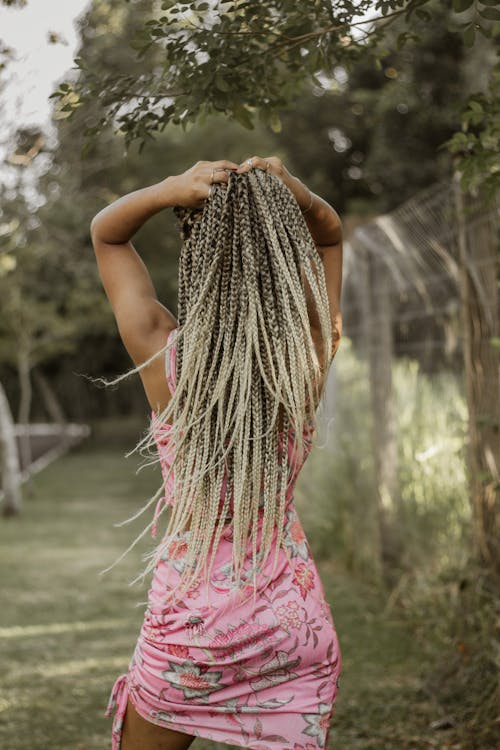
point(478, 282)
point(385, 449)
point(363, 288)
point(11, 475)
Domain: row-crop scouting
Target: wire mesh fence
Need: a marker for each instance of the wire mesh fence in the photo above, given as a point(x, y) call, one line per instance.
point(420, 284)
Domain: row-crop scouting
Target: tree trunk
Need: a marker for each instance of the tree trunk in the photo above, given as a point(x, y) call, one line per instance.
point(11, 475)
point(478, 259)
point(52, 403)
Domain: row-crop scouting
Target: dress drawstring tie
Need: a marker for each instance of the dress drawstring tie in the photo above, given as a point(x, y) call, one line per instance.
point(117, 700)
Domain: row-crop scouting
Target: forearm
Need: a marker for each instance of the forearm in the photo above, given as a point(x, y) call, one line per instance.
point(322, 220)
point(118, 222)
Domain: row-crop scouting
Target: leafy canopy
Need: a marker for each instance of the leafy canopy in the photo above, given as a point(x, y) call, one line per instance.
point(244, 58)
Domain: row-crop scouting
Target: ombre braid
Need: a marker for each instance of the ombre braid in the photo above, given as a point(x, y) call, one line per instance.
point(245, 361)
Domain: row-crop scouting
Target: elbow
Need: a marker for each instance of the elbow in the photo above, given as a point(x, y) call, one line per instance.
point(93, 227)
point(95, 231)
point(337, 234)
point(336, 227)
point(96, 224)
point(331, 230)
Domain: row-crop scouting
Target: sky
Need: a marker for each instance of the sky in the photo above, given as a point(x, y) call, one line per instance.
point(37, 65)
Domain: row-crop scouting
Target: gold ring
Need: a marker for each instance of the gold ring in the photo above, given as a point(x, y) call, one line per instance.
point(212, 175)
point(268, 166)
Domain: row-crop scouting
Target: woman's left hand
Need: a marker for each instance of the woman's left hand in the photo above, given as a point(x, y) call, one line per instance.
point(192, 188)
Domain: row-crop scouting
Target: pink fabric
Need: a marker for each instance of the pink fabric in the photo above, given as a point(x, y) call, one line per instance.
point(218, 665)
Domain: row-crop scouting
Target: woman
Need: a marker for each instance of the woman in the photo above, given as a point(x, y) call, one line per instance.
point(238, 643)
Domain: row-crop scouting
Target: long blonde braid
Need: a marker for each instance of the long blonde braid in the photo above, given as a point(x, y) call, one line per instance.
point(244, 352)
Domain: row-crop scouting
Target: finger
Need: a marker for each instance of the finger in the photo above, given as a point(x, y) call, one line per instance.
point(254, 162)
point(247, 165)
point(220, 177)
point(224, 164)
point(219, 174)
point(263, 164)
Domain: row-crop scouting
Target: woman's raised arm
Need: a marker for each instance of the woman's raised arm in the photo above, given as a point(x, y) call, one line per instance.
point(143, 322)
point(140, 317)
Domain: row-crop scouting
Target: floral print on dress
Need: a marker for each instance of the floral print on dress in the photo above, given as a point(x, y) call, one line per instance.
point(318, 724)
point(304, 578)
point(295, 538)
point(193, 680)
point(261, 673)
point(277, 670)
point(290, 615)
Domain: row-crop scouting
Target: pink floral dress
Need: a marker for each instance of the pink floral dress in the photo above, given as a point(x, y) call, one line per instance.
point(218, 665)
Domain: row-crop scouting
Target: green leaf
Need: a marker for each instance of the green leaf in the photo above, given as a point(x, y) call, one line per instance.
point(222, 84)
point(460, 5)
point(492, 14)
point(243, 116)
point(275, 123)
point(469, 36)
point(458, 141)
point(476, 106)
point(423, 14)
point(489, 142)
point(401, 40)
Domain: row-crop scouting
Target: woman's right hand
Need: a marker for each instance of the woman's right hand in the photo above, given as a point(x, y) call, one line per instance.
point(274, 165)
point(192, 188)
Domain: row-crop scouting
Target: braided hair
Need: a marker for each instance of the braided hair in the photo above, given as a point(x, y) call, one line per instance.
point(245, 358)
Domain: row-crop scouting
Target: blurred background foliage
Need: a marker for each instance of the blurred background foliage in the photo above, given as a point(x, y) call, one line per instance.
point(435, 512)
point(367, 136)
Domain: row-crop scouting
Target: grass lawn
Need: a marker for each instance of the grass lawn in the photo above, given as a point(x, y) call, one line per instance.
point(66, 632)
